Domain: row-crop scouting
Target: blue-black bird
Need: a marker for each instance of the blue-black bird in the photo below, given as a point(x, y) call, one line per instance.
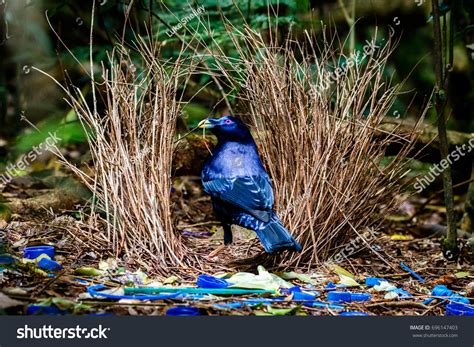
point(240, 188)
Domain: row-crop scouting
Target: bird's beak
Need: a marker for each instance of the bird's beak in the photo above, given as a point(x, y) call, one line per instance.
point(206, 124)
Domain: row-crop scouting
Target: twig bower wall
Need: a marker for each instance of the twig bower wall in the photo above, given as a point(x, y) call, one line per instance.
point(316, 121)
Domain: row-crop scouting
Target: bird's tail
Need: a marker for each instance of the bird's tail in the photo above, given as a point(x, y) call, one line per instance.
point(275, 237)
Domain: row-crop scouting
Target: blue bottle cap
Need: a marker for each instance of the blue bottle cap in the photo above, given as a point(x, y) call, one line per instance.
point(336, 296)
point(183, 311)
point(456, 309)
point(353, 313)
point(35, 251)
point(206, 281)
point(49, 265)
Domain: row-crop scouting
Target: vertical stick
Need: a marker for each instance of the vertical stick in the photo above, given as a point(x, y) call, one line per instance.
point(449, 244)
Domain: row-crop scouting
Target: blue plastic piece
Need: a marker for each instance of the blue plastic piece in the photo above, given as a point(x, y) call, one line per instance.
point(35, 251)
point(95, 292)
point(7, 259)
point(353, 313)
point(413, 273)
point(44, 310)
point(372, 281)
point(206, 281)
point(49, 265)
point(360, 296)
point(330, 286)
point(402, 293)
point(303, 296)
point(441, 291)
point(320, 304)
point(459, 299)
point(336, 296)
point(456, 309)
point(229, 305)
point(183, 311)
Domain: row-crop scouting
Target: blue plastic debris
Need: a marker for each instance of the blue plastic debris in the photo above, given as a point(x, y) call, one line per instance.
point(229, 305)
point(443, 292)
point(413, 273)
point(321, 304)
point(183, 311)
point(6, 259)
point(95, 291)
point(206, 281)
point(304, 296)
point(457, 309)
point(35, 251)
point(49, 265)
point(330, 286)
point(44, 310)
point(353, 313)
point(372, 281)
point(459, 299)
point(336, 296)
point(402, 293)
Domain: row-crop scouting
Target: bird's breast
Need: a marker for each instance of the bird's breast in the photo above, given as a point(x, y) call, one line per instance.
point(233, 160)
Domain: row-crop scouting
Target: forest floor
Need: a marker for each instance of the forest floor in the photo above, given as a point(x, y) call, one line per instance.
point(43, 215)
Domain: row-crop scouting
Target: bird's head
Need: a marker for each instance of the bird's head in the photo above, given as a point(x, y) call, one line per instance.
point(227, 128)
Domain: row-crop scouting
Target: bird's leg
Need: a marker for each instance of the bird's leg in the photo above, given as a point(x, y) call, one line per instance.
point(227, 234)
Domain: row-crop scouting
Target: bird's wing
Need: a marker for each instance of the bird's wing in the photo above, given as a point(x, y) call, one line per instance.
point(253, 194)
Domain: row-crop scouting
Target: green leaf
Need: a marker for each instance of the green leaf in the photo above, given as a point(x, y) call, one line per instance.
point(282, 311)
point(461, 274)
point(88, 271)
point(341, 271)
point(348, 281)
point(171, 280)
point(294, 275)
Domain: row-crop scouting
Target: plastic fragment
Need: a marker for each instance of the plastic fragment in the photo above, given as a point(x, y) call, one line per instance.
point(321, 304)
point(353, 313)
point(206, 281)
point(44, 310)
point(49, 265)
point(95, 291)
point(385, 286)
point(443, 292)
point(192, 290)
point(457, 309)
point(183, 311)
point(372, 281)
point(337, 296)
point(413, 273)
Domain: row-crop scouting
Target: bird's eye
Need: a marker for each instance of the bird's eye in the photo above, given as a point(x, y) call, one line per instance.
point(228, 121)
